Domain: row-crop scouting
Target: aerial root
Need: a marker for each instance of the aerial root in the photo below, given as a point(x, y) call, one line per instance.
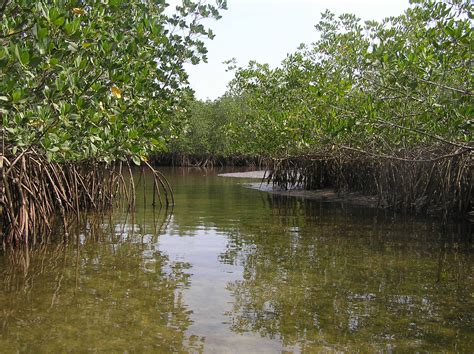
point(39, 193)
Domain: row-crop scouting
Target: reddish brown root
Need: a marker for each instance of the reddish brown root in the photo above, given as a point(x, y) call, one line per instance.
point(37, 191)
point(412, 181)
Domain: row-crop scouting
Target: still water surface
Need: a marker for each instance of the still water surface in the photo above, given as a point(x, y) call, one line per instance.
point(231, 269)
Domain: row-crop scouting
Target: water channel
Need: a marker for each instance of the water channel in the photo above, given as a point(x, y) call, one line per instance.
point(232, 269)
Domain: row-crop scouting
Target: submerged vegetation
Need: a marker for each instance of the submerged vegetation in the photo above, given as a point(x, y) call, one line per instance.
point(82, 86)
point(382, 108)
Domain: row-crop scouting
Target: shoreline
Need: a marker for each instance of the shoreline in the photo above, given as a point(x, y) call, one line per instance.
point(324, 195)
point(259, 174)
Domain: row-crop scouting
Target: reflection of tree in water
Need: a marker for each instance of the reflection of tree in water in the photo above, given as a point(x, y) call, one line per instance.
point(109, 288)
point(316, 277)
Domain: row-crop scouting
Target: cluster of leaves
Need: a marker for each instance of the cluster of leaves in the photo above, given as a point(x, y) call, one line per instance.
point(378, 87)
point(96, 78)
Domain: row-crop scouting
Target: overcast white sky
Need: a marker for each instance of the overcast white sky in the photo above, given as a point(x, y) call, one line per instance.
point(267, 30)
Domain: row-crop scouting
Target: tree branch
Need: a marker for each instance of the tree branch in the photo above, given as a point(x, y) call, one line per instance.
point(390, 157)
point(465, 92)
point(435, 137)
point(27, 28)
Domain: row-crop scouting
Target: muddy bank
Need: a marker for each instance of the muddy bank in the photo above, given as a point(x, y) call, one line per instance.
point(249, 174)
point(326, 195)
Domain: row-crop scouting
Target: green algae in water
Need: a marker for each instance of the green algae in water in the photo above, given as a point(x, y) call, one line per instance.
point(235, 269)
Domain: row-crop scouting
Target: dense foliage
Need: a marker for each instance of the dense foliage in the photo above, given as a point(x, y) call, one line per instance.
point(385, 88)
point(96, 79)
point(84, 86)
point(380, 108)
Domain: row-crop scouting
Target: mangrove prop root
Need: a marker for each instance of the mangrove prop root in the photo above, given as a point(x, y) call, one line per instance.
point(415, 181)
point(35, 192)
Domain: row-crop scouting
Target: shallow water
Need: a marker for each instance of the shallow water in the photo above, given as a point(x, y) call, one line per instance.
point(231, 269)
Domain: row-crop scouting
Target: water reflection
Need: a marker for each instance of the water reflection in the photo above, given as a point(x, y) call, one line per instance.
point(316, 278)
point(232, 269)
point(111, 286)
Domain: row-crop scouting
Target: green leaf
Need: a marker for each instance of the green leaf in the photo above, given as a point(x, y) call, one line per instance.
point(69, 27)
point(59, 21)
point(156, 29)
point(136, 160)
point(133, 134)
point(23, 55)
point(42, 33)
point(16, 95)
point(53, 14)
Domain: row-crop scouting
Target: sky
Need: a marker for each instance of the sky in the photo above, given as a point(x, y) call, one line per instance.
point(267, 30)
